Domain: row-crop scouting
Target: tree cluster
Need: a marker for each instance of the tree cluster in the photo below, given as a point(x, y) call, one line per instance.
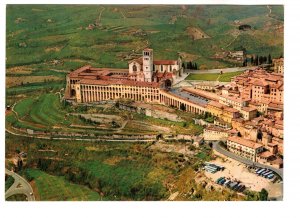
point(190, 65)
point(258, 60)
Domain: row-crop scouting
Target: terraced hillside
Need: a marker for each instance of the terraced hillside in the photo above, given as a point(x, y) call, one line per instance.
point(46, 41)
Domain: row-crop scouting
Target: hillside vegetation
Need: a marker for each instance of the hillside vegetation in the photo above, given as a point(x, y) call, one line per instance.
point(49, 40)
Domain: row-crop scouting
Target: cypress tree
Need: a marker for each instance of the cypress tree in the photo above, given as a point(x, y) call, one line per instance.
point(251, 60)
point(269, 59)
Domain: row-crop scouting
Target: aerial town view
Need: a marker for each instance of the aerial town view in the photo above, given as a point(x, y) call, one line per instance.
point(144, 103)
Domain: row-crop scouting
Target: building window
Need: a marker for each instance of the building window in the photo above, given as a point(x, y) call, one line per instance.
point(134, 68)
point(161, 68)
point(170, 68)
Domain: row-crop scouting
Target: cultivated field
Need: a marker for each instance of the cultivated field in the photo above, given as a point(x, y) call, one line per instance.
point(52, 39)
point(45, 112)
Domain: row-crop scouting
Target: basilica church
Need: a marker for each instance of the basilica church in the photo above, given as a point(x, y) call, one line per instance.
point(145, 80)
point(149, 70)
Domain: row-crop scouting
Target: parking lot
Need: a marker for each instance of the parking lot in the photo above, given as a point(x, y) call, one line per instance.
point(238, 172)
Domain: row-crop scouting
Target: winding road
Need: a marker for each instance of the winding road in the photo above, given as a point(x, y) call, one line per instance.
point(221, 150)
point(20, 186)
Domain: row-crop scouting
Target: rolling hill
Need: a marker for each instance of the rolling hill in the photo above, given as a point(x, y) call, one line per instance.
point(50, 40)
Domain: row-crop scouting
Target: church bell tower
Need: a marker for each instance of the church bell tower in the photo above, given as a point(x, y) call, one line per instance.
point(148, 64)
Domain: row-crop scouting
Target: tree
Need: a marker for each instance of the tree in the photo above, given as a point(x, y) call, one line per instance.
point(269, 59)
point(263, 195)
point(190, 65)
point(196, 67)
point(260, 60)
point(255, 61)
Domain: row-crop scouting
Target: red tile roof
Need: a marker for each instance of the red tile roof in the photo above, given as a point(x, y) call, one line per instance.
point(119, 82)
point(266, 154)
point(215, 104)
point(248, 109)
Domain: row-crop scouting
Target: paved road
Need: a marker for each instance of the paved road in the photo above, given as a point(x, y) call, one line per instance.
point(79, 139)
point(20, 186)
point(221, 150)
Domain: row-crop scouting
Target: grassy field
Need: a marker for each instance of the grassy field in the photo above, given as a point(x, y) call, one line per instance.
point(34, 87)
point(205, 76)
point(52, 39)
point(58, 189)
point(45, 112)
point(225, 77)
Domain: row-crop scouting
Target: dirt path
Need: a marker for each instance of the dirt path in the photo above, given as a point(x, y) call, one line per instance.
point(173, 196)
point(270, 10)
point(123, 14)
point(122, 127)
point(236, 36)
point(269, 14)
point(98, 20)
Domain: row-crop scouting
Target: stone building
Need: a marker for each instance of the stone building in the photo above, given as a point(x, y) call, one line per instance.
point(244, 148)
point(278, 65)
point(221, 111)
point(215, 133)
point(145, 80)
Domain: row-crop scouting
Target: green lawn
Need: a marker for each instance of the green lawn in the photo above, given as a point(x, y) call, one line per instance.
point(225, 77)
point(205, 76)
point(56, 188)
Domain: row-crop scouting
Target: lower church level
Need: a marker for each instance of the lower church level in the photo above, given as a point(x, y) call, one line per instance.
point(87, 85)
